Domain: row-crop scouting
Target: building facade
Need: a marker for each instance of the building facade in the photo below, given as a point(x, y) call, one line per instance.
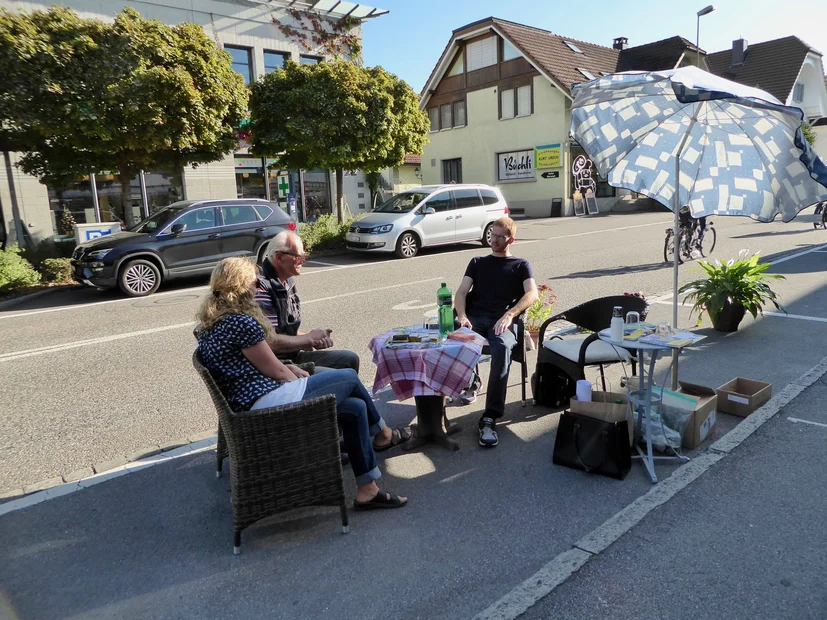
point(499, 103)
point(249, 32)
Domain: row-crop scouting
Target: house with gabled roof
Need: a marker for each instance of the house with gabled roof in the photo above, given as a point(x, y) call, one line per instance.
point(499, 99)
point(788, 69)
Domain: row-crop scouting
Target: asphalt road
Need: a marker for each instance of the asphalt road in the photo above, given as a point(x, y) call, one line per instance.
point(86, 376)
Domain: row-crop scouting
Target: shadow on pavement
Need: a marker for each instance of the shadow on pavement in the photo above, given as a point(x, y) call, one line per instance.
point(614, 271)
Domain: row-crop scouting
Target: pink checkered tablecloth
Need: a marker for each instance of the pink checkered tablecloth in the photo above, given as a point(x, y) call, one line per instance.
point(445, 369)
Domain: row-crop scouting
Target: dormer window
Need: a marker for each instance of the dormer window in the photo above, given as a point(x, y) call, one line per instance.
point(573, 47)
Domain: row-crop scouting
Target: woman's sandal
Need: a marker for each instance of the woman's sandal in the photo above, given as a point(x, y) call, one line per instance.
point(381, 500)
point(398, 437)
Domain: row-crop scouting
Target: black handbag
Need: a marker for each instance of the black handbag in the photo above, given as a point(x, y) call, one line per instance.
point(592, 445)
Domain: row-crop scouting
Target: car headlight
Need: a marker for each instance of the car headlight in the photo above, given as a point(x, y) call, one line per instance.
point(98, 254)
point(383, 229)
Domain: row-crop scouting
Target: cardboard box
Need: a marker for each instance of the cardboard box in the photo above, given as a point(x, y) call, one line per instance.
point(703, 418)
point(604, 406)
point(743, 396)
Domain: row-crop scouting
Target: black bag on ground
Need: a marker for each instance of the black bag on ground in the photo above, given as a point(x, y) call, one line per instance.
point(552, 386)
point(592, 445)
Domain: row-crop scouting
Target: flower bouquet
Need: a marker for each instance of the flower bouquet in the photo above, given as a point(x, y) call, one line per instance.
point(538, 312)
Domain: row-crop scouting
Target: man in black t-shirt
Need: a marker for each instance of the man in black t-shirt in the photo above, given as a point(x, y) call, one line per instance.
point(501, 286)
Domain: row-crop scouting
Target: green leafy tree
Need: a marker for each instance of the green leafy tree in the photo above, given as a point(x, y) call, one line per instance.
point(809, 133)
point(81, 94)
point(336, 115)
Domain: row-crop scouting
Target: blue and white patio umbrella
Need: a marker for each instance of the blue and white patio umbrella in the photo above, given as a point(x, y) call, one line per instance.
point(736, 150)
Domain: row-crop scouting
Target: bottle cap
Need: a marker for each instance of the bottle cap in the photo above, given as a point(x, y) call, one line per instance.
point(617, 311)
point(443, 284)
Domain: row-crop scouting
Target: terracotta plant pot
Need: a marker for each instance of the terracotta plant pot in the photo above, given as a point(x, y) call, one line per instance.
point(531, 337)
point(729, 317)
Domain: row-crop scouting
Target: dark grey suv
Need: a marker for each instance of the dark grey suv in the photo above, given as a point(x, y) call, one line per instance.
point(184, 239)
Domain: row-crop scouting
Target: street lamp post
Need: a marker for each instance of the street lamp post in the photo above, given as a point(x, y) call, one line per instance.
point(704, 11)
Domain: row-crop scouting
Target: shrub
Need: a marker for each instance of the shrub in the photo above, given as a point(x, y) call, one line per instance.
point(16, 271)
point(48, 248)
point(57, 270)
point(326, 233)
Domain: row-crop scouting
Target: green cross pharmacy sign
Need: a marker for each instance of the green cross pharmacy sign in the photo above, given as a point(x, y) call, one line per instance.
point(283, 186)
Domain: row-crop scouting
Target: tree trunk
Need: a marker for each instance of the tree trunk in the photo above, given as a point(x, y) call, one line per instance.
point(126, 196)
point(21, 234)
point(340, 195)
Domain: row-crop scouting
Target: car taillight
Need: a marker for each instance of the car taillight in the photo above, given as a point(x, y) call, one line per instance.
point(292, 226)
point(506, 210)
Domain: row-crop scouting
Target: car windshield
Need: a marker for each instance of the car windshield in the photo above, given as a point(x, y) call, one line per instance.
point(402, 203)
point(158, 220)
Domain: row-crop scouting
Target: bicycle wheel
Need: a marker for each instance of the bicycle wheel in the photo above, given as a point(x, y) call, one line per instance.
point(669, 250)
point(709, 241)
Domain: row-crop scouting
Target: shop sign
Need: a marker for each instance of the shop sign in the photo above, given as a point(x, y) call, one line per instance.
point(515, 165)
point(548, 156)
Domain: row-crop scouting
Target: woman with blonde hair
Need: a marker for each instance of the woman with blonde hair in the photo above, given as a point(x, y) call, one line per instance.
point(232, 335)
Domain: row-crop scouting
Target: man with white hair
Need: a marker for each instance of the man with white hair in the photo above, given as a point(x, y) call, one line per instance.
point(279, 299)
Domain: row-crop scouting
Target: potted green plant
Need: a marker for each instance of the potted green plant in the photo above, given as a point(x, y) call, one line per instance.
point(538, 312)
point(731, 289)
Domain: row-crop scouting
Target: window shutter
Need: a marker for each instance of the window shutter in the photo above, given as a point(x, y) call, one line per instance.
point(446, 116)
point(433, 114)
point(524, 100)
point(459, 113)
point(481, 53)
point(507, 98)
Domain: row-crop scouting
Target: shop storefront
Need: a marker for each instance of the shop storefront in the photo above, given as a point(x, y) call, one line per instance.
point(97, 198)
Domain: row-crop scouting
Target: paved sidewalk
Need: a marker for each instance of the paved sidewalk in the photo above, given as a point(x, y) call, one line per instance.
point(746, 540)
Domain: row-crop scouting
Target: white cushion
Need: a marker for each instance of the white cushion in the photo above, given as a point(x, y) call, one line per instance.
point(599, 352)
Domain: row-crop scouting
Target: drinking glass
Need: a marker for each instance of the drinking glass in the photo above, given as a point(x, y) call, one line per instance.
point(664, 330)
point(632, 318)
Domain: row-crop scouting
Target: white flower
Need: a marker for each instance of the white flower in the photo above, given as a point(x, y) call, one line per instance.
point(730, 262)
point(743, 254)
point(717, 263)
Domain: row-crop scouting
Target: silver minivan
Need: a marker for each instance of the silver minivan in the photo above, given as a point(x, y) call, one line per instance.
point(426, 216)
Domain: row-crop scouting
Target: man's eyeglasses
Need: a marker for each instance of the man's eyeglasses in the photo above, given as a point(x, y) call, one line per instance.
point(294, 254)
point(500, 237)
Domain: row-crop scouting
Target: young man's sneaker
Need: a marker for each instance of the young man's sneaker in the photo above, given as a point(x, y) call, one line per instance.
point(488, 436)
point(468, 396)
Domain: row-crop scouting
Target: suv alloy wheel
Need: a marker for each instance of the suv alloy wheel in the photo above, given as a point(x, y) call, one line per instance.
point(139, 278)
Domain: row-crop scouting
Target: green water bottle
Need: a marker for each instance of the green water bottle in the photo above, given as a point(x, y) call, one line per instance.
point(445, 310)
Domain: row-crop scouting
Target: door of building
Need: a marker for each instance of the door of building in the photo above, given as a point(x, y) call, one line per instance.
point(452, 170)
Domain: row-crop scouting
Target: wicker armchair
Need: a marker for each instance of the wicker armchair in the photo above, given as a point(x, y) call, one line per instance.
point(281, 458)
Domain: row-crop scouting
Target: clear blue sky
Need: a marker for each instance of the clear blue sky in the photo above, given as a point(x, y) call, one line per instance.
point(409, 40)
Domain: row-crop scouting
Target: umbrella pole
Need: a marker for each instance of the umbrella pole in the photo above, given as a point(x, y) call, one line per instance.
point(676, 206)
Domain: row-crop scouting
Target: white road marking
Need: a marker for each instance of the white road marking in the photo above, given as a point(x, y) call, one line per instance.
point(412, 305)
point(11, 357)
point(817, 248)
point(807, 422)
point(800, 317)
point(318, 262)
point(17, 355)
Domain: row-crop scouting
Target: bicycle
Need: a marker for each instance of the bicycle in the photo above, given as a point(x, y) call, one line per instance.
point(821, 209)
point(692, 239)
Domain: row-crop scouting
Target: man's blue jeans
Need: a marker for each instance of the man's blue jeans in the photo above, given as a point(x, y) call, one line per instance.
point(357, 415)
point(500, 347)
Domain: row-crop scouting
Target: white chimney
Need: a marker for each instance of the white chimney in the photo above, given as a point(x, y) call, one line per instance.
point(739, 52)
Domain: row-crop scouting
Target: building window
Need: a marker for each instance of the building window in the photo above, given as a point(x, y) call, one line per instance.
point(798, 92)
point(163, 187)
point(458, 67)
point(459, 114)
point(573, 47)
point(524, 100)
point(310, 60)
point(586, 74)
point(507, 103)
point(481, 53)
point(433, 114)
point(242, 62)
point(445, 116)
point(274, 60)
point(509, 51)
point(452, 170)
point(516, 102)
